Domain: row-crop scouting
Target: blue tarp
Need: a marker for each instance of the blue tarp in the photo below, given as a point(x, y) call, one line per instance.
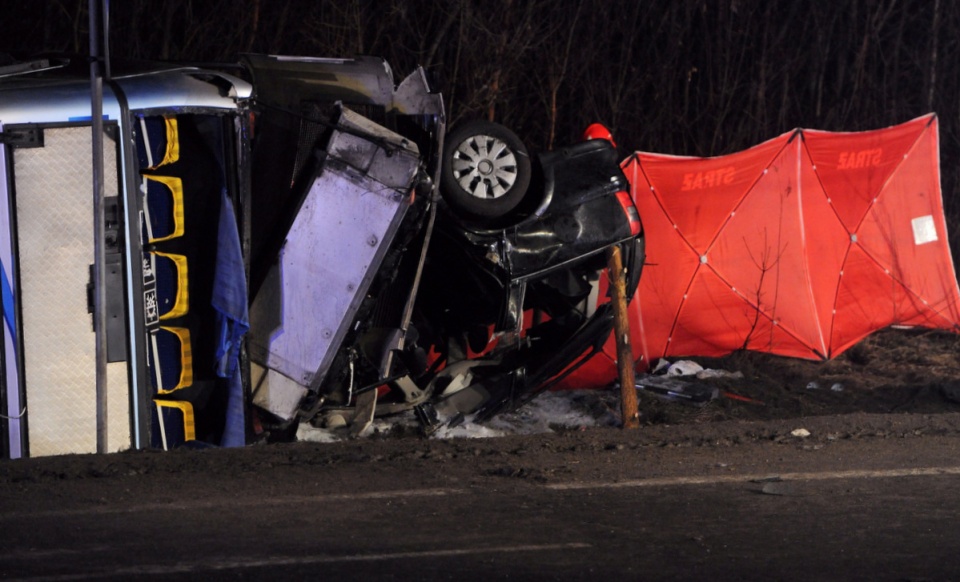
point(230, 302)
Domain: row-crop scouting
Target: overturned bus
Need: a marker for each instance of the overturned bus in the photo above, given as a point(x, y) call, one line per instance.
point(286, 240)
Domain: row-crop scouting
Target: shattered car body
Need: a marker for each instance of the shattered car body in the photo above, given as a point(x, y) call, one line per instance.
point(300, 199)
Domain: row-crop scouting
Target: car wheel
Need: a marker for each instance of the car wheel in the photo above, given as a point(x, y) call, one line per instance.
point(486, 170)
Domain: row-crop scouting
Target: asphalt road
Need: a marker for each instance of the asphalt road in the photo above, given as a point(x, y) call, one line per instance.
point(763, 505)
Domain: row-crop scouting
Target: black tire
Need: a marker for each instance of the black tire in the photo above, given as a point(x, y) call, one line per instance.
point(486, 170)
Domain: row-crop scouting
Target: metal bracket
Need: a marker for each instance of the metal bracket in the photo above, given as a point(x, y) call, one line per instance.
point(23, 137)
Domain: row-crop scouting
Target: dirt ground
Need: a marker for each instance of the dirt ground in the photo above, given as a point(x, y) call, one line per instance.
point(891, 377)
point(898, 409)
point(892, 371)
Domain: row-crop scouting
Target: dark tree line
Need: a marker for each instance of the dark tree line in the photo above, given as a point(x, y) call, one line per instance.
point(693, 77)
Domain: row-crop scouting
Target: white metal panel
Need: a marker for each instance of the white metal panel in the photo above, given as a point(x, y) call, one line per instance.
point(70, 100)
point(332, 252)
point(323, 270)
point(276, 393)
point(55, 242)
point(118, 408)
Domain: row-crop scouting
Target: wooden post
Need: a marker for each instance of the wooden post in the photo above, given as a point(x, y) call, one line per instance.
point(621, 329)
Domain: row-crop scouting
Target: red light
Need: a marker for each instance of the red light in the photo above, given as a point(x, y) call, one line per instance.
point(598, 131)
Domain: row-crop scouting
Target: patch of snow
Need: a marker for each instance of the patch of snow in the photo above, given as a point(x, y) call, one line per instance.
point(684, 368)
point(548, 412)
point(310, 434)
point(467, 429)
point(663, 367)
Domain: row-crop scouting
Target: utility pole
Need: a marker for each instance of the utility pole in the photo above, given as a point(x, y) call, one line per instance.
point(99, 260)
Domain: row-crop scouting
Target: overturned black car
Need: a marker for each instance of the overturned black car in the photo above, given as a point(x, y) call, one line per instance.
point(295, 240)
